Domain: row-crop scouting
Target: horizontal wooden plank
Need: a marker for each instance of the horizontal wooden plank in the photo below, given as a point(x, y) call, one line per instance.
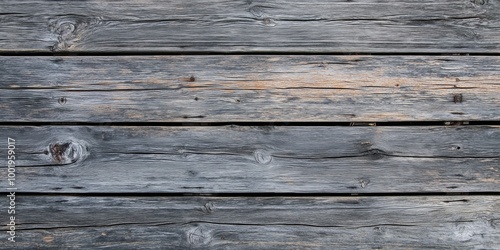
point(252, 25)
point(233, 159)
point(249, 88)
point(419, 222)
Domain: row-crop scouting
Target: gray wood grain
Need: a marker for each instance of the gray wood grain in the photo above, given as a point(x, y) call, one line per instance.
point(251, 25)
point(233, 159)
point(249, 88)
point(420, 222)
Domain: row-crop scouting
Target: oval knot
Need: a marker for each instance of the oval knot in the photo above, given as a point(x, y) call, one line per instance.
point(263, 157)
point(67, 152)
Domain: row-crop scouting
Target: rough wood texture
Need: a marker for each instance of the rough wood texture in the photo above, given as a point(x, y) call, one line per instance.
point(234, 159)
point(173, 186)
point(249, 88)
point(460, 222)
point(251, 25)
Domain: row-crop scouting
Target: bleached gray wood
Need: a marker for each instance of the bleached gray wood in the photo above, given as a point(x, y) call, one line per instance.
point(420, 222)
point(232, 159)
point(249, 88)
point(251, 25)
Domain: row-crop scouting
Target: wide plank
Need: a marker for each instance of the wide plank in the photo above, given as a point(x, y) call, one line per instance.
point(380, 26)
point(418, 222)
point(249, 88)
point(234, 159)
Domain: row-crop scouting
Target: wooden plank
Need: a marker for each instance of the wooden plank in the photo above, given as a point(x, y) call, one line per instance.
point(233, 159)
point(454, 26)
point(419, 222)
point(249, 88)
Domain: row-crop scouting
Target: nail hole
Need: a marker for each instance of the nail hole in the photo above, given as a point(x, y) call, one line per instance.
point(62, 100)
point(196, 98)
point(192, 79)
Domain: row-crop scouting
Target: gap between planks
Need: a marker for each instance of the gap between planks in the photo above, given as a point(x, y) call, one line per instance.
point(263, 124)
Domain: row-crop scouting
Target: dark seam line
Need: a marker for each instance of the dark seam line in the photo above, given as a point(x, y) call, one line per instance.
point(260, 194)
point(446, 123)
point(263, 53)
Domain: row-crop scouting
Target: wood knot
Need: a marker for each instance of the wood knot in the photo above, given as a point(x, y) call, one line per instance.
point(263, 157)
point(479, 2)
point(199, 236)
point(379, 230)
point(188, 79)
point(364, 182)
point(67, 152)
point(471, 35)
point(70, 29)
point(375, 153)
point(257, 11)
point(458, 98)
point(268, 22)
point(208, 208)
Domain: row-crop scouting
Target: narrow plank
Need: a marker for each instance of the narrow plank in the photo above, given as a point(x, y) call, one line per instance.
point(249, 88)
point(420, 222)
point(251, 25)
point(233, 159)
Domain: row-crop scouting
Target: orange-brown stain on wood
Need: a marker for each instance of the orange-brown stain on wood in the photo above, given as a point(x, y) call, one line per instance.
point(104, 109)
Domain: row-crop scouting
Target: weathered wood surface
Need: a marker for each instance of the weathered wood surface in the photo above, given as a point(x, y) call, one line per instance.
point(419, 222)
point(251, 25)
point(233, 159)
point(252, 187)
point(249, 88)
